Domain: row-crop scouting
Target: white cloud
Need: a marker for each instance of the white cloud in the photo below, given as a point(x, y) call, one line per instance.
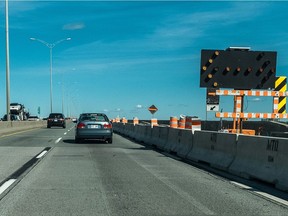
point(139, 106)
point(255, 99)
point(74, 26)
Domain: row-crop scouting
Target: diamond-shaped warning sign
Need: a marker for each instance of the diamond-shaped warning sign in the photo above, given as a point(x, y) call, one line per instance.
point(153, 109)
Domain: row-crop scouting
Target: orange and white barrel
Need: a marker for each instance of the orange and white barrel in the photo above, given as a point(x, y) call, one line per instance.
point(154, 122)
point(135, 121)
point(188, 122)
point(124, 120)
point(193, 123)
point(173, 122)
point(117, 119)
point(182, 122)
point(196, 124)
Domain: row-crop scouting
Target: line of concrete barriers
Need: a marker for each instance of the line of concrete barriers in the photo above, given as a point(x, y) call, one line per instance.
point(14, 126)
point(251, 157)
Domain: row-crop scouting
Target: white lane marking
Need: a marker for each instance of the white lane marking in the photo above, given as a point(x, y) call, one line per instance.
point(269, 196)
point(58, 140)
point(42, 154)
point(241, 185)
point(6, 185)
point(65, 133)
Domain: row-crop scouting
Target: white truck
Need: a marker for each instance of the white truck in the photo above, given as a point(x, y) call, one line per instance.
point(19, 110)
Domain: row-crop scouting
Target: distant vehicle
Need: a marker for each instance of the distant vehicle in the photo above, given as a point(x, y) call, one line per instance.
point(19, 110)
point(33, 118)
point(93, 126)
point(12, 117)
point(56, 119)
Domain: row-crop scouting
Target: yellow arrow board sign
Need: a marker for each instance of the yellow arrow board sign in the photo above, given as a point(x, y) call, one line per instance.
point(153, 109)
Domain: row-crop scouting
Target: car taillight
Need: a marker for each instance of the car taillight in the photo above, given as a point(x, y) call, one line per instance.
point(81, 125)
point(107, 126)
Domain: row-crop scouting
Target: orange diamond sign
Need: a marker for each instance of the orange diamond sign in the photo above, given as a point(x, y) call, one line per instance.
point(153, 109)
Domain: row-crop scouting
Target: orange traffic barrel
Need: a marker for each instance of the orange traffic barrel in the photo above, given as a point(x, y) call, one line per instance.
point(124, 120)
point(135, 121)
point(182, 122)
point(154, 122)
point(196, 124)
point(193, 123)
point(188, 122)
point(173, 122)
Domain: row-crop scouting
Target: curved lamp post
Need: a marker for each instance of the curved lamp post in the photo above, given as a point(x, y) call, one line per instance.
point(50, 46)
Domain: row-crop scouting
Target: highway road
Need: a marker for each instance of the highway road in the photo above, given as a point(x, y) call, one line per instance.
point(46, 173)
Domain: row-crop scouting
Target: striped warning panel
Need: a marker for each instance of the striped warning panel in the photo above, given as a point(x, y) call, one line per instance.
point(251, 115)
point(281, 85)
point(257, 93)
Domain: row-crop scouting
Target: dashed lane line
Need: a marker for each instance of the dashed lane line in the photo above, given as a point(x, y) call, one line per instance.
point(6, 185)
point(13, 179)
point(58, 140)
point(41, 154)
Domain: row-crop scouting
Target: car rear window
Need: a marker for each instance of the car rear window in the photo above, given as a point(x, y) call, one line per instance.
point(55, 116)
point(94, 117)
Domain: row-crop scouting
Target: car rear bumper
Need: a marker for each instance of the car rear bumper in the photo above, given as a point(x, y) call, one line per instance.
point(59, 124)
point(93, 134)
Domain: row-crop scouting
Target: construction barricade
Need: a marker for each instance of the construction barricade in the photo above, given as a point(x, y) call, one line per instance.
point(135, 121)
point(154, 122)
point(182, 122)
point(193, 123)
point(173, 122)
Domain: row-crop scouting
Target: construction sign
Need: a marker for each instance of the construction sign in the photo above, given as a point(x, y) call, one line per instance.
point(212, 100)
point(238, 69)
point(153, 109)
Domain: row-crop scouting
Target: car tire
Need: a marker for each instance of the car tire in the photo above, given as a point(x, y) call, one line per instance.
point(110, 140)
point(64, 126)
point(48, 126)
point(77, 140)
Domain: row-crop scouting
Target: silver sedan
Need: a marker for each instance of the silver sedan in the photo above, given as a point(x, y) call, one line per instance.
point(93, 126)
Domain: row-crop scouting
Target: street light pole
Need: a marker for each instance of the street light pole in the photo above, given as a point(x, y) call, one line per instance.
point(7, 65)
point(50, 46)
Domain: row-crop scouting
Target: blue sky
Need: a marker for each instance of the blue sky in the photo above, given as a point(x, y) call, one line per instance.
point(127, 55)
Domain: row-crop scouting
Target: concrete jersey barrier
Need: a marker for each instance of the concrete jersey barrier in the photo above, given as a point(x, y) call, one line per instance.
point(263, 158)
point(216, 149)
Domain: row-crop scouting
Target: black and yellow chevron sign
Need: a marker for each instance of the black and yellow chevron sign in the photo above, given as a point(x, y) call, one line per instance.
point(281, 85)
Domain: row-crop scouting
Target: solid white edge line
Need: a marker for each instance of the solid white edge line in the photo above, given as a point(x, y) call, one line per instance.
point(277, 199)
point(6, 185)
point(269, 196)
point(58, 140)
point(241, 185)
point(42, 154)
